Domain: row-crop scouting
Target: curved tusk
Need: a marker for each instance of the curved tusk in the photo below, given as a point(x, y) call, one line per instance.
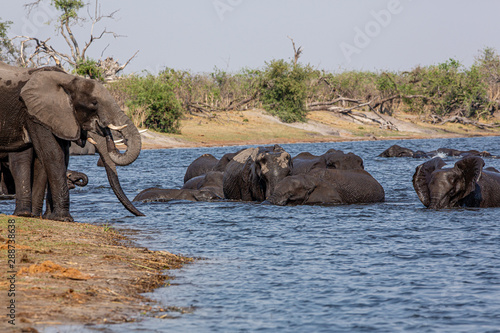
point(92, 141)
point(142, 131)
point(117, 128)
point(119, 140)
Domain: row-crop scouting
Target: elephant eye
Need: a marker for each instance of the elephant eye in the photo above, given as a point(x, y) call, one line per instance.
point(93, 104)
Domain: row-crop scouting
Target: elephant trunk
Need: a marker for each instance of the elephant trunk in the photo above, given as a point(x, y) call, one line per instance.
point(101, 145)
point(131, 138)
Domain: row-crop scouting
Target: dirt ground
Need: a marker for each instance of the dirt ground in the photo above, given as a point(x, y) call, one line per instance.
point(77, 273)
point(256, 127)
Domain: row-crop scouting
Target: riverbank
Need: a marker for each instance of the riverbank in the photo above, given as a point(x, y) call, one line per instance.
point(256, 127)
point(77, 273)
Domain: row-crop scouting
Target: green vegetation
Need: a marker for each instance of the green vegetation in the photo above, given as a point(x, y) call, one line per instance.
point(7, 50)
point(89, 68)
point(288, 91)
point(152, 101)
point(283, 90)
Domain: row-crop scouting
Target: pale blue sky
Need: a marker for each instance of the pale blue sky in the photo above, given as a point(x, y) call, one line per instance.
point(335, 34)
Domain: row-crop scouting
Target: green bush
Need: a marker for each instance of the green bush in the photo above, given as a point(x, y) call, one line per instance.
point(89, 68)
point(152, 101)
point(283, 90)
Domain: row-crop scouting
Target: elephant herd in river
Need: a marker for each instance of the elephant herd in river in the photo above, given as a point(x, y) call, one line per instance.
point(270, 175)
point(44, 111)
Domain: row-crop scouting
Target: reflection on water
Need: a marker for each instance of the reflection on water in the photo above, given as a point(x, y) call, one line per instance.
point(392, 266)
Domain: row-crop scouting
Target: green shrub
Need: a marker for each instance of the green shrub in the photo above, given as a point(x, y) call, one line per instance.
point(152, 101)
point(283, 90)
point(89, 68)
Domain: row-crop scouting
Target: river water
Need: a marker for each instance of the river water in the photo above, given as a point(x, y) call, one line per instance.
point(392, 266)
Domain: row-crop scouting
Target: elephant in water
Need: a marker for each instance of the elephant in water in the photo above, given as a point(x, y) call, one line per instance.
point(211, 181)
point(163, 195)
point(304, 162)
point(329, 179)
point(200, 166)
point(328, 187)
point(397, 151)
point(254, 172)
point(466, 184)
point(42, 111)
point(76, 178)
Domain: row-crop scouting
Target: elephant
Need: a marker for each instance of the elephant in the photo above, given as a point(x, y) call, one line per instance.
point(328, 187)
point(42, 111)
point(254, 172)
point(163, 195)
point(467, 184)
point(224, 161)
point(397, 151)
point(211, 181)
point(75, 149)
point(304, 162)
point(7, 186)
point(200, 166)
point(75, 178)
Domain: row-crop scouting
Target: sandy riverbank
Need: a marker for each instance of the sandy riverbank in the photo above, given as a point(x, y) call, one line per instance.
point(77, 273)
point(256, 127)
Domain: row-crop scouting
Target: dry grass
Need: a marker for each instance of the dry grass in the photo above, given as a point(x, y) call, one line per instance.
point(77, 273)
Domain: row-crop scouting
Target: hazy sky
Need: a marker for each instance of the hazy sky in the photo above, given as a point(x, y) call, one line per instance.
point(335, 35)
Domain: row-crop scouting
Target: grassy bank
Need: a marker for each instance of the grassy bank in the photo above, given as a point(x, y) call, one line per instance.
point(257, 127)
point(77, 273)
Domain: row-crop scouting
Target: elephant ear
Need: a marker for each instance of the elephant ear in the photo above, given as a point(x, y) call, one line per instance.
point(471, 168)
point(422, 178)
point(49, 104)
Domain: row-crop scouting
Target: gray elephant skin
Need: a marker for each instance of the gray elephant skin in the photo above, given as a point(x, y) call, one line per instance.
point(324, 186)
point(254, 172)
point(200, 166)
point(164, 195)
point(76, 150)
point(466, 184)
point(398, 151)
point(304, 162)
point(43, 110)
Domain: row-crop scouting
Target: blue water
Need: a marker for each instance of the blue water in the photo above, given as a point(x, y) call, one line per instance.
point(392, 266)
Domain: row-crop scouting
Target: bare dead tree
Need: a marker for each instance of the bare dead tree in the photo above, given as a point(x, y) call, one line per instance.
point(44, 53)
point(296, 52)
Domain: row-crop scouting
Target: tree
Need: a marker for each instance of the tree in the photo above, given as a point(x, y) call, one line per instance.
point(7, 50)
point(76, 57)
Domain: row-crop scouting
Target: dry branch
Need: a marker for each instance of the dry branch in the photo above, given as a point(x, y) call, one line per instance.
point(466, 121)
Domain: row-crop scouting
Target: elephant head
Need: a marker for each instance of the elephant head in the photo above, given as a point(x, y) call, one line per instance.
point(293, 190)
point(271, 165)
point(445, 188)
point(397, 151)
point(77, 109)
point(336, 159)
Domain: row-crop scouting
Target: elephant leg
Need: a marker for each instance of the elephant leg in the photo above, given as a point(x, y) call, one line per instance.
point(20, 167)
point(53, 156)
point(39, 187)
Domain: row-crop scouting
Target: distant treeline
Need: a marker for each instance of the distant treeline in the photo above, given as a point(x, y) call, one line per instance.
point(290, 91)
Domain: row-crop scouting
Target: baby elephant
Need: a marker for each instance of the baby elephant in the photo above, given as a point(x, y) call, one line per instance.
point(164, 195)
point(467, 184)
point(75, 178)
point(328, 187)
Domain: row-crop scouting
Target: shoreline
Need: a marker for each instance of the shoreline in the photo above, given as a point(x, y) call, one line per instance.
point(255, 127)
point(78, 274)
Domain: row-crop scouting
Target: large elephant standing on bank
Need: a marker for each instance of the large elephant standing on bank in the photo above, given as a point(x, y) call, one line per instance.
point(43, 110)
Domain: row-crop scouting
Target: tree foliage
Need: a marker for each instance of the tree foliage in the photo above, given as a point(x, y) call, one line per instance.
point(7, 51)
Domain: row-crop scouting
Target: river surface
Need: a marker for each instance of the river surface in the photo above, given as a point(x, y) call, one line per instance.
point(392, 266)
